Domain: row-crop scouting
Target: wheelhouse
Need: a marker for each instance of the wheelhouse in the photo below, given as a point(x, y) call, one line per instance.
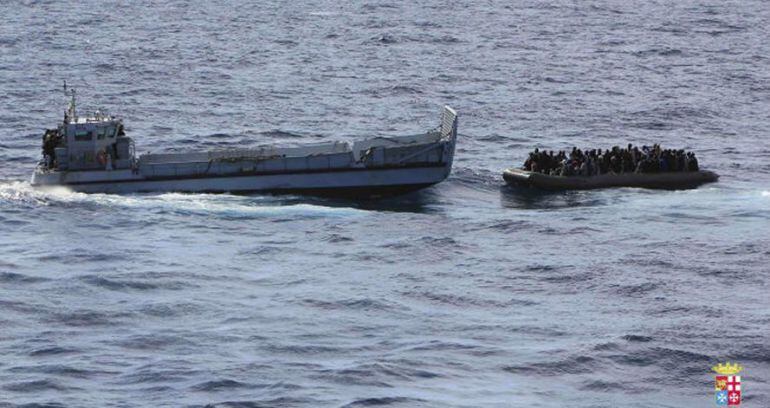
point(96, 142)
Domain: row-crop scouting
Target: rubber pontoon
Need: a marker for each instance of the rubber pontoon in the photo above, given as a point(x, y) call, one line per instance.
point(668, 180)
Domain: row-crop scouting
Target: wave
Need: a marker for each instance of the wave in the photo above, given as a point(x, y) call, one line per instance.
point(220, 385)
point(20, 307)
point(664, 52)
point(153, 342)
point(21, 193)
point(571, 365)
point(337, 238)
point(459, 300)
point(11, 277)
point(82, 256)
point(263, 250)
point(52, 351)
point(384, 401)
point(36, 386)
point(222, 205)
point(364, 304)
point(637, 338)
point(275, 402)
point(166, 310)
point(384, 39)
point(376, 374)
point(280, 134)
point(680, 363)
point(502, 225)
point(612, 386)
point(637, 290)
point(396, 90)
point(58, 370)
point(758, 352)
point(85, 318)
point(299, 349)
point(119, 285)
point(476, 179)
point(156, 374)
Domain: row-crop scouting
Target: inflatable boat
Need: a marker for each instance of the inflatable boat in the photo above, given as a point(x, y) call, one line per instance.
point(664, 180)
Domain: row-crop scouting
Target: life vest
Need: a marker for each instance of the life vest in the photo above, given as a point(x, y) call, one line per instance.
point(101, 157)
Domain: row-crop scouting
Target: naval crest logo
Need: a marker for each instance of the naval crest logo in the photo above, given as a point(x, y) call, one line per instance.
point(727, 384)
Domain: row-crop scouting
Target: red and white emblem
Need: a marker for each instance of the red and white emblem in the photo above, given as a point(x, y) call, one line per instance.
point(733, 390)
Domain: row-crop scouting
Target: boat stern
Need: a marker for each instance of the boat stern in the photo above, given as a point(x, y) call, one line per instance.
point(44, 177)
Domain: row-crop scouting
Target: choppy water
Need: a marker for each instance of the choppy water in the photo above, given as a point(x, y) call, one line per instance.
point(466, 294)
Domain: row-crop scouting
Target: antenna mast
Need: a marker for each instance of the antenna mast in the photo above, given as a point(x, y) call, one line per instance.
point(70, 114)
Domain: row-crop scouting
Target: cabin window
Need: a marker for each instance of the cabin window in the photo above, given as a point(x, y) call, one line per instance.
point(110, 132)
point(100, 133)
point(84, 136)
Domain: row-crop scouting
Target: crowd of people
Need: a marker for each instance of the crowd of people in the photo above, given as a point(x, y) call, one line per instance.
point(631, 159)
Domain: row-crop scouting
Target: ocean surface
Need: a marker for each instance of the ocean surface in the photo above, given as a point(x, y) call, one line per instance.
point(466, 294)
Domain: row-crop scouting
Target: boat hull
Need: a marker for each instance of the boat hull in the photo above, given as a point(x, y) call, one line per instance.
point(670, 180)
point(344, 183)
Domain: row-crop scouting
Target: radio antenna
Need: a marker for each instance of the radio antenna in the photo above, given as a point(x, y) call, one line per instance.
point(69, 115)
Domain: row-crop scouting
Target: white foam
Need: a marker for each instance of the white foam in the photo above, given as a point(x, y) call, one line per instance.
point(201, 204)
point(22, 192)
point(234, 206)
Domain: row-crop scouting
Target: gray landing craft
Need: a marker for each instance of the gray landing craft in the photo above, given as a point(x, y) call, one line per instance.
point(93, 155)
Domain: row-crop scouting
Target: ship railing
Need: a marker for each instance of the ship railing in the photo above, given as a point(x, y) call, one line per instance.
point(448, 123)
